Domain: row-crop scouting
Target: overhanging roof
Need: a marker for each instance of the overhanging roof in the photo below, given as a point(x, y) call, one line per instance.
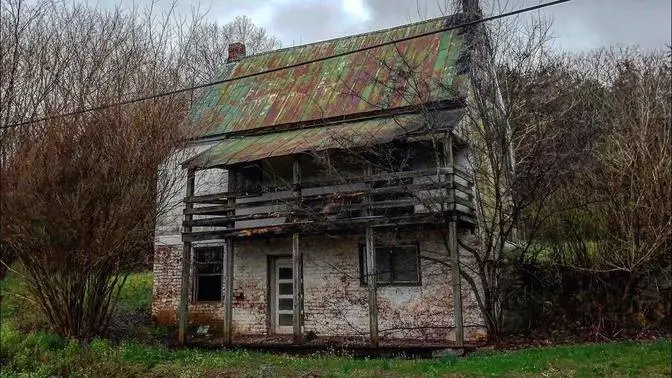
point(340, 136)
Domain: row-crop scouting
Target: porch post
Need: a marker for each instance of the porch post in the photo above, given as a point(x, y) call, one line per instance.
point(228, 290)
point(372, 283)
point(457, 287)
point(297, 259)
point(228, 263)
point(453, 246)
point(186, 262)
point(297, 268)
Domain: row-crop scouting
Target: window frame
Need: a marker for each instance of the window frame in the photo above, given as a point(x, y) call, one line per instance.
point(196, 275)
point(363, 267)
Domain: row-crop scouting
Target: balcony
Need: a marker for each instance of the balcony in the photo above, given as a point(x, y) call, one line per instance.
point(401, 198)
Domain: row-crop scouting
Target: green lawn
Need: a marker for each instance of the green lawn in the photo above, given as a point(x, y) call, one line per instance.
point(41, 353)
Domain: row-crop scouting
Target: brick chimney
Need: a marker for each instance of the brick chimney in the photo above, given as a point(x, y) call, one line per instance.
point(236, 52)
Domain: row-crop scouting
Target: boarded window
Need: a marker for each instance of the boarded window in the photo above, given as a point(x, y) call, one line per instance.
point(208, 262)
point(395, 264)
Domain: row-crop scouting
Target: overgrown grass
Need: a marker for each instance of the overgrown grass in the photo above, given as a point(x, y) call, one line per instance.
point(44, 354)
point(41, 353)
point(136, 293)
point(17, 306)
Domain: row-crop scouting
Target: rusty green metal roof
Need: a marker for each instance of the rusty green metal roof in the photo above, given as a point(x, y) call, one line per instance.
point(344, 86)
point(340, 136)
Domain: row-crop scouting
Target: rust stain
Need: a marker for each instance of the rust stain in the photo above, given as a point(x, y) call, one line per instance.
point(256, 147)
point(164, 317)
point(344, 85)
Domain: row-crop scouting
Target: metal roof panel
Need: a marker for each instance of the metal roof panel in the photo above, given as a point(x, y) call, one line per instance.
point(360, 82)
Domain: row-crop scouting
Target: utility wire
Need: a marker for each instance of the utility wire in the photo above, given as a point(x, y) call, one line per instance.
point(187, 89)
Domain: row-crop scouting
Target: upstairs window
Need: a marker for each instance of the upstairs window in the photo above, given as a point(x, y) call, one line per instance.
point(208, 262)
point(395, 264)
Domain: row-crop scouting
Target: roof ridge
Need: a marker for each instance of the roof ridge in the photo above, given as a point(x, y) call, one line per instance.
point(448, 18)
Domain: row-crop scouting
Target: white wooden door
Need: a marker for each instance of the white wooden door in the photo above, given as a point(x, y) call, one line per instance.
point(283, 301)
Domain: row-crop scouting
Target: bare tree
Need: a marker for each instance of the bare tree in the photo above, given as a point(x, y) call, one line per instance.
point(209, 50)
point(625, 185)
point(506, 185)
point(81, 194)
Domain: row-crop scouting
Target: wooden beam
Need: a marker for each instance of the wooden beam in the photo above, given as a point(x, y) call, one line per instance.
point(228, 291)
point(210, 210)
point(456, 280)
point(372, 284)
point(296, 171)
point(453, 247)
point(297, 260)
point(371, 274)
point(231, 203)
point(183, 311)
point(297, 268)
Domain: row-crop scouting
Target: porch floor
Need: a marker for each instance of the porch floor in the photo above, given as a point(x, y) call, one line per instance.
point(339, 345)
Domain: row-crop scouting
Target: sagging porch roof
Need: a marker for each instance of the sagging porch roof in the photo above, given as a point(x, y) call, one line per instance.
point(340, 136)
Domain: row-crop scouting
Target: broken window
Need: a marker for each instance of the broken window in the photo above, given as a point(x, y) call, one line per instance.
point(208, 262)
point(395, 264)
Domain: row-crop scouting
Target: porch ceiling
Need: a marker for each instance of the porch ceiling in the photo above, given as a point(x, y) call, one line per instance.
point(341, 136)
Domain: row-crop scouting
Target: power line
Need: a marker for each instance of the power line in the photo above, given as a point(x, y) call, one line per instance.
point(187, 89)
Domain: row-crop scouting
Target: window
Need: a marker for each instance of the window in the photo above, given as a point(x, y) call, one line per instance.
point(395, 264)
point(208, 263)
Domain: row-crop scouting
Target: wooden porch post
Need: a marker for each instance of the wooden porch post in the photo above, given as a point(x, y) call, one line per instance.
point(228, 291)
point(453, 246)
point(372, 283)
point(186, 262)
point(297, 260)
point(457, 287)
point(228, 265)
point(297, 268)
point(371, 270)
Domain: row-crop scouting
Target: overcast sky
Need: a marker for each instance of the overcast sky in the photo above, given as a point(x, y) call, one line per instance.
point(579, 25)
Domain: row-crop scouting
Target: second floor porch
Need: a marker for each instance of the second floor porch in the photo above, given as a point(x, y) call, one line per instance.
point(334, 191)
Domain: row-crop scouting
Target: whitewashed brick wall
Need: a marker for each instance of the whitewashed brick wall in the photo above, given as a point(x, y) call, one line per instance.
point(335, 303)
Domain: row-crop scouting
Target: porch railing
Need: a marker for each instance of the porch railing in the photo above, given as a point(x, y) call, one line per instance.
point(409, 197)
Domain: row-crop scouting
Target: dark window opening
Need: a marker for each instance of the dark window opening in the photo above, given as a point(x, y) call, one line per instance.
point(209, 288)
point(277, 173)
point(391, 157)
point(208, 263)
point(395, 264)
point(248, 179)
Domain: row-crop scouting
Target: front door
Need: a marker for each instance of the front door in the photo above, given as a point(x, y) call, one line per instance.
point(282, 293)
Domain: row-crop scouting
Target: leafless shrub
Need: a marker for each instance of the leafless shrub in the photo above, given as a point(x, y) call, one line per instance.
point(81, 194)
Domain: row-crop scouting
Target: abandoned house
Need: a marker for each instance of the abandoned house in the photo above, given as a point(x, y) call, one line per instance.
point(327, 201)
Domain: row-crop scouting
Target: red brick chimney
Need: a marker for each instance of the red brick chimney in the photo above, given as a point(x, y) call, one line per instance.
point(236, 52)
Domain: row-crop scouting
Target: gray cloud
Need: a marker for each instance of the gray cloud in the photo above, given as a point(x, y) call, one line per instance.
point(304, 22)
point(579, 25)
point(597, 23)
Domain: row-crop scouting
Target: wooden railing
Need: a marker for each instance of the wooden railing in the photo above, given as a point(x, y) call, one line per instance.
point(408, 197)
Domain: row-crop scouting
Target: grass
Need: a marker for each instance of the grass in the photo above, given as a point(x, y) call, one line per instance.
point(41, 353)
point(136, 293)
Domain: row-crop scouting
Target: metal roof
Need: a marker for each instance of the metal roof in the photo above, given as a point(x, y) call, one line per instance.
point(351, 84)
point(340, 136)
